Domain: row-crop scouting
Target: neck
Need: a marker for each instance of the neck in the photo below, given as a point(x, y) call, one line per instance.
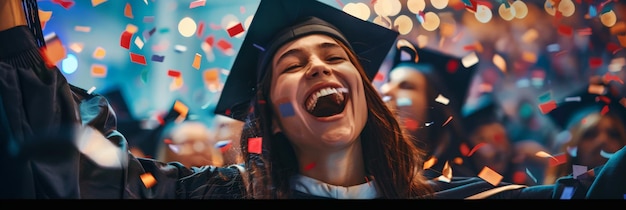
point(341, 168)
point(11, 14)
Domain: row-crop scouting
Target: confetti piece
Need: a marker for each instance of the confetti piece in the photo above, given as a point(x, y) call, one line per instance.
point(128, 11)
point(447, 171)
point(465, 150)
point(565, 30)
point(430, 162)
point(98, 70)
point(148, 33)
point(545, 97)
point(225, 47)
point(54, 49)
point(64, 3)
point(531, 175)
point(173, 73)
point(595, 62)
point(519, 177)
point(125, 39)
point(95, 3)
point(223, 145)
point(286, 109)
point(197, 3)
point(379, 77)
point(254, 145)
point(181, 108)
point(158, 58)
point(469, 60)
point(180, 48)
point(136, 58)
point(91, 90)
point(567, 194)
point(572, 99)
point(309, 166)
point(139, 43)
point(176, 84)
point(82, 28)
point(148, 180)
point(410, 124)
point(44, 16)
point(447, 121)
point(99, 53)
point(196, 61)
point(403, 102)
point(578, 170)
point(547, 106)
point(557, 160)
point(442, 99)
point(478, 146)
point(596, 89)
point(235, 30)
point(148, 19)
point(610, 77)
point(490, 176)
point(200, 29)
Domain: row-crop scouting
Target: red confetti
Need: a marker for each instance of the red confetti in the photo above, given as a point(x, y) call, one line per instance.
point(125, 39)
point(612, 47)
point(379, 77)
point(595, 62)
point(558, 159)
point(235, 30)
point(410, 124)
point(464, 149)
point(478, 146)
point(64, 3)
point(224, 45)
point(610, 77)
point(547, 106)
point(173, 73)
point(209, 40)
point(309, 166)
point(604, 99)
point(200, 30)
point(519, 177)
point(254, 145)
point(452, 66)
point(565, 30)
point(167, 141)
point(605, 109)
point(136, 58)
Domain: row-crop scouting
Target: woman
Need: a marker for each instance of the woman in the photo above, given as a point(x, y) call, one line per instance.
point(298, 142)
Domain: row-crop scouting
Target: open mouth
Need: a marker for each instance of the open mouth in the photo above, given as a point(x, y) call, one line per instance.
point(326, 102)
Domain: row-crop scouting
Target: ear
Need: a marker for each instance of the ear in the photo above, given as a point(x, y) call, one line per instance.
point(275, 126)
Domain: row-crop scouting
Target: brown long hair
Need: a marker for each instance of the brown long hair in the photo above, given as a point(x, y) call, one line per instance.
point(388, 153)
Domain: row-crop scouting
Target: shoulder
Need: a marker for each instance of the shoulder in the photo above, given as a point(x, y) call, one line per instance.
point(210, 182)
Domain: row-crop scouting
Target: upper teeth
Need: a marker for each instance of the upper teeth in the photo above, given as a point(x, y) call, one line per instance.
point(312, 101)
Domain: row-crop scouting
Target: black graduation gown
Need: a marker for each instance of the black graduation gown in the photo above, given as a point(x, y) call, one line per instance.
point(37, 99)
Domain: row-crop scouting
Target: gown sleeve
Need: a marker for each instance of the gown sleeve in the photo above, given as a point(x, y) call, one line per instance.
point(42, 123)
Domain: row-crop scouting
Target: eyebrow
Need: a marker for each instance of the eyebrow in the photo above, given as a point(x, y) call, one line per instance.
point(324, 45)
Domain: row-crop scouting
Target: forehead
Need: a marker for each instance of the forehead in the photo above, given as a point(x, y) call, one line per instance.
point(312, 39)
point(406, 73)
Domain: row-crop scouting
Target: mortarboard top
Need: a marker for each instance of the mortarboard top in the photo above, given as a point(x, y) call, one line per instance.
point(445, 72)
point(572, 109)
point(485, 109)
point(370, 41)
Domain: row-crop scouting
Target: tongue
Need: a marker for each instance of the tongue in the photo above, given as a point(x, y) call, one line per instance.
point(328, 105)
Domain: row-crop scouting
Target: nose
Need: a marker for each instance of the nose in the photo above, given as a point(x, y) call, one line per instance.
point(318, 68)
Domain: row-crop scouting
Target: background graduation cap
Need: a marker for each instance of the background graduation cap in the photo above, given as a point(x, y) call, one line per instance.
point(590, 98)
point(127, 124)
point(370, 41)
point(485, 109)
point(444, 71)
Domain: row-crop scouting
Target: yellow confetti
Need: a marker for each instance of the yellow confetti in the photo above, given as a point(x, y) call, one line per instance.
point(544, 155)
point(181, 108)
point(490, 176)
point(77, 47)
point(442, 99)
point(430, 162)
point(99, 53)
point(97, 2)
point(148, 180)
point(131, 28)
point(196, 61)
point(469, 60)
point(98, 70)
point(44, 16)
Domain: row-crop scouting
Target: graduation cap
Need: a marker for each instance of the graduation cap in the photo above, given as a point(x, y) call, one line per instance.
point(485, 109)
point(589, 99)
point(278, 21)
point(445, 72)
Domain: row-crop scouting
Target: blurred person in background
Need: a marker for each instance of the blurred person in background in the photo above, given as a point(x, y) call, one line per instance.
point(492, 149)
point(191, 143)
point(227, 134)
point(426, 90)
point(595, 119)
